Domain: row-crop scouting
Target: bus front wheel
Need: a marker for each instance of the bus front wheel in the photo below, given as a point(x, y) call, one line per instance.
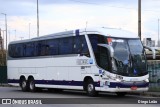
point(91, 88)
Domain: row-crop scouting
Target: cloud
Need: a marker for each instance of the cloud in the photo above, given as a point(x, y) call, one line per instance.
point(28, 7)
point(59, 15)
point(15, 8)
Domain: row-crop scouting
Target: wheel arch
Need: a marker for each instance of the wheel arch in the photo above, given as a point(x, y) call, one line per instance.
point(30, 77)
point(85, 80)
point(21, 78)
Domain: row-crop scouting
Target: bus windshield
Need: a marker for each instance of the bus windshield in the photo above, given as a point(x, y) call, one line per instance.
point(129, 57)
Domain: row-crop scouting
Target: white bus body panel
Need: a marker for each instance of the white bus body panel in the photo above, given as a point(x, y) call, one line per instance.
point(72, 68)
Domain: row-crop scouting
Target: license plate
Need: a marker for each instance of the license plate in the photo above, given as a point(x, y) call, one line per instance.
point(134, 88)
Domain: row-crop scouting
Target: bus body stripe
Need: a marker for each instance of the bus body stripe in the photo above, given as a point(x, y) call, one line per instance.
point(80, 83)
point(122, 85)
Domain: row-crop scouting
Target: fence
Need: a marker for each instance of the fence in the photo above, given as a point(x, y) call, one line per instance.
point(3, 74)
point(154, 74)
point(153, 69)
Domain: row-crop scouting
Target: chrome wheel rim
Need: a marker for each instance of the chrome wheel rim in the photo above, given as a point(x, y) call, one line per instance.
point(23, 84)
point(90, 88)
point(31, 85)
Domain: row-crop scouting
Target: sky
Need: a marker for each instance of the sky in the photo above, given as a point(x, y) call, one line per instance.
point(61, 15)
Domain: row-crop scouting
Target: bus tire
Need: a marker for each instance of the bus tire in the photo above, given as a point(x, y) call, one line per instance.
point(121, 94)
point(32, 87)
point(91, 88)
point(24, 85)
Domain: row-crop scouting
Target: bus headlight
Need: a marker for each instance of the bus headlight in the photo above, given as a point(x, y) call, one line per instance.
point(146, 80)
point(118, 80)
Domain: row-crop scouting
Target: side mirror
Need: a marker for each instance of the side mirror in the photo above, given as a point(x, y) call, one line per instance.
point(110, 48)
point(153, 51)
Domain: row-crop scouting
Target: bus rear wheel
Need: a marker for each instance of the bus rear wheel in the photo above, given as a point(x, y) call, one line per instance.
point(90, 88)
point(32, 87)
point(24, 85)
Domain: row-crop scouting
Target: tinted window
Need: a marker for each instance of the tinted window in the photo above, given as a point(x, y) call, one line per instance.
point(19, 50)
point(84, 45)
point(80, 46)
point(77, 45)
point(40, 48)
point(52, 47)
point(96, 39)
point(100, 53)
point(29, 49)
point(12, 50)
point(65, 46)
point(16, 50)
point(59, 46)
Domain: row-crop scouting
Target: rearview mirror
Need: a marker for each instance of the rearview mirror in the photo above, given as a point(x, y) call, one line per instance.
point(110, 48)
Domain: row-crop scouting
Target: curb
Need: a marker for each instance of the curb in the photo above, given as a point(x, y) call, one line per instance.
point(6, 85)
point(150, 94)
point(146, 94)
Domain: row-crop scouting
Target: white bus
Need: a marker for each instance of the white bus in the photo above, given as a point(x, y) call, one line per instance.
point(94, 60)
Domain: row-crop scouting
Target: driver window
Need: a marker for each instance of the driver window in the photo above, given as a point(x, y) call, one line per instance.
point(101, 54)
point(103, 58)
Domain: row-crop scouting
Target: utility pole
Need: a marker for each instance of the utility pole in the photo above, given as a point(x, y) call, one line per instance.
point(6, 28)
point(15, 34)
point(3, 31)
point(158, 33)
point(139, 19)
point(9, 35)
point(29, 30)
point(37, 20)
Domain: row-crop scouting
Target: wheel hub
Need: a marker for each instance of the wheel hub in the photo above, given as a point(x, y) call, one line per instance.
point(31, 85)
point(23, 84)
point(90, 87)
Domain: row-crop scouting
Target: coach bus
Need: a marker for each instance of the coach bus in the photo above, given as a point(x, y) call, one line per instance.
point(93, 60)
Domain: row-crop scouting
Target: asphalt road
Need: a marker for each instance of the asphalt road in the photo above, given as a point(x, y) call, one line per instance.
point(70, 98)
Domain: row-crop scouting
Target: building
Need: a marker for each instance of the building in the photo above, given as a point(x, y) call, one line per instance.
point(158, 43)
point(149, 42)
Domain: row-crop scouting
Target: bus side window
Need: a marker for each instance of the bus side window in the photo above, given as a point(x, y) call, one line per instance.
point(100, 53)
point(29, 49)
point(76, 45)
point(12, 50)
point(85, 50)
point(103, 58)
point(40, 48)
point(80, 46)
point(19, 49)
point(65, 46)
point(52, 47)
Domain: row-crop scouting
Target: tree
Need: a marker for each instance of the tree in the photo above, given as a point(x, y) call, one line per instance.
point(3, 58)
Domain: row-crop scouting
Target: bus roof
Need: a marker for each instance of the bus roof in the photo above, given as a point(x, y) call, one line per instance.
point(110, 32)
point(113, 32)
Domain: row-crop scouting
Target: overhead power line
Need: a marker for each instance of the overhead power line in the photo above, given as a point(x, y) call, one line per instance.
point(90, 3)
